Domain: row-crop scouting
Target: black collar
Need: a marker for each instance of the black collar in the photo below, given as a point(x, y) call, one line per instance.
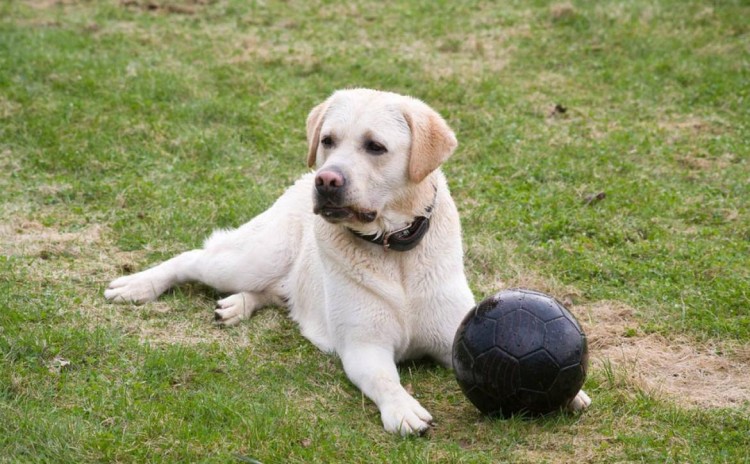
point(400, 240)
point(403, 239)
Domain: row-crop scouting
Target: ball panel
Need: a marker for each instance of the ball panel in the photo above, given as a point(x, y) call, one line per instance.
point(496, 370)
point(538, 371)
point(495, 374)
point(572, 319)
point(479, 335)
point(485, 402)
point(519, 333)
point(542, 306)
point(533, 402)
point(568, 383)
point(585, 356)
point(463, 363)
point(564, 341)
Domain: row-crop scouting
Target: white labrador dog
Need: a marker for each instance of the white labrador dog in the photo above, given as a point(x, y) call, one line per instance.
point(365, 252)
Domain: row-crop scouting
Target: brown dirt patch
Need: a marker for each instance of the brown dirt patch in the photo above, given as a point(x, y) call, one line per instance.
point(300, 55)
point(89, 260)
point(691, 127)
point(46, 4)
point(691, 374)
point(29, 238)
point(192, 329)
point(699, 162)
point(8, 108)
point(187, 7)
point(560, 11)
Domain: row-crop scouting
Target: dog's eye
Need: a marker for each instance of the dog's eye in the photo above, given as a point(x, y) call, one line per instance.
point(375, 148)
point(327, 141)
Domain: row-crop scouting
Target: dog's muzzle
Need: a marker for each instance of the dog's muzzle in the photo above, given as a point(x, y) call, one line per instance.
point(330, 191)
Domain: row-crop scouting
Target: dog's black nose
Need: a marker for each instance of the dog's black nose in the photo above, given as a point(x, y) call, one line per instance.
point(329, 182)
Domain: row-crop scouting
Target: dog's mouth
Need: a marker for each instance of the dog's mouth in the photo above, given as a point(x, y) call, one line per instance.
point(335, 214)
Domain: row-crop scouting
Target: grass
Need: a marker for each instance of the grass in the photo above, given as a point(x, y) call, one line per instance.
point(130, 129)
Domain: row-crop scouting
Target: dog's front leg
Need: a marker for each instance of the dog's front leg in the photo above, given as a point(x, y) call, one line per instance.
point(373, 369)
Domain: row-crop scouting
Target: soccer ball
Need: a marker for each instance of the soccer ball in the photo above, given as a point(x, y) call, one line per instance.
point(520, 352)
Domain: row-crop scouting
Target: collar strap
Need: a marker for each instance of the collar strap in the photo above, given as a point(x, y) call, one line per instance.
point(403, 239)
point(400, 240)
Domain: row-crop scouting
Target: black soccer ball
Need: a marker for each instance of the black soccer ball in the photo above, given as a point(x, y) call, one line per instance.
point(520, 352)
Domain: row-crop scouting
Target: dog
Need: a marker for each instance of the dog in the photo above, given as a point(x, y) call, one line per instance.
point(365, 251)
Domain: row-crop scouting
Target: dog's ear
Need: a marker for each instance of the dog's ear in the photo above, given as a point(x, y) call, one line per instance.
point(314, 121)
point(432, 141)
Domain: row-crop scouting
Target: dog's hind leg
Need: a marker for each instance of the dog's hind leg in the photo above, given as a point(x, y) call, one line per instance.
point(147, 285)
point(251, 261)
point(252, 258)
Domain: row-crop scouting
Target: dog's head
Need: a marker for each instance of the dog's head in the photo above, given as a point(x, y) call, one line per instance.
point(371, 149)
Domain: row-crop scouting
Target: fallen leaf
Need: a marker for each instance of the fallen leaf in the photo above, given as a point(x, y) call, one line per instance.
point(57, 364)
point(558, 109)
point(594, 198)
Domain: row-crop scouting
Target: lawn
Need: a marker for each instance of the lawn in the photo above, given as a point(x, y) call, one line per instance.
point(604, 157)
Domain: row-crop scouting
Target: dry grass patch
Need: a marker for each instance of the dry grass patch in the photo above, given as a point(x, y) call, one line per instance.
point(46, 4)
point(168, 328)
point(8, 108)
point(692, 374)
point(465, 57)
point(690, 126)
point(560, 11)
point(253, 48)
point(187, 7)
point(587, 446)
point(89, 261)
point(695, 162)
point(30, 238)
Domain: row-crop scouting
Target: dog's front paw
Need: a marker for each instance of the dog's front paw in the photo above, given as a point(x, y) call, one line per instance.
point(405, 416)
point(137, 288)
point(580, 402)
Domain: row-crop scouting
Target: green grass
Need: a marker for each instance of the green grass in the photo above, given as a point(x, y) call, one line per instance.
point(129, 132)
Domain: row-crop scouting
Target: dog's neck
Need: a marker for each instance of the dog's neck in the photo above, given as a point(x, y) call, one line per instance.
point(408, 237)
